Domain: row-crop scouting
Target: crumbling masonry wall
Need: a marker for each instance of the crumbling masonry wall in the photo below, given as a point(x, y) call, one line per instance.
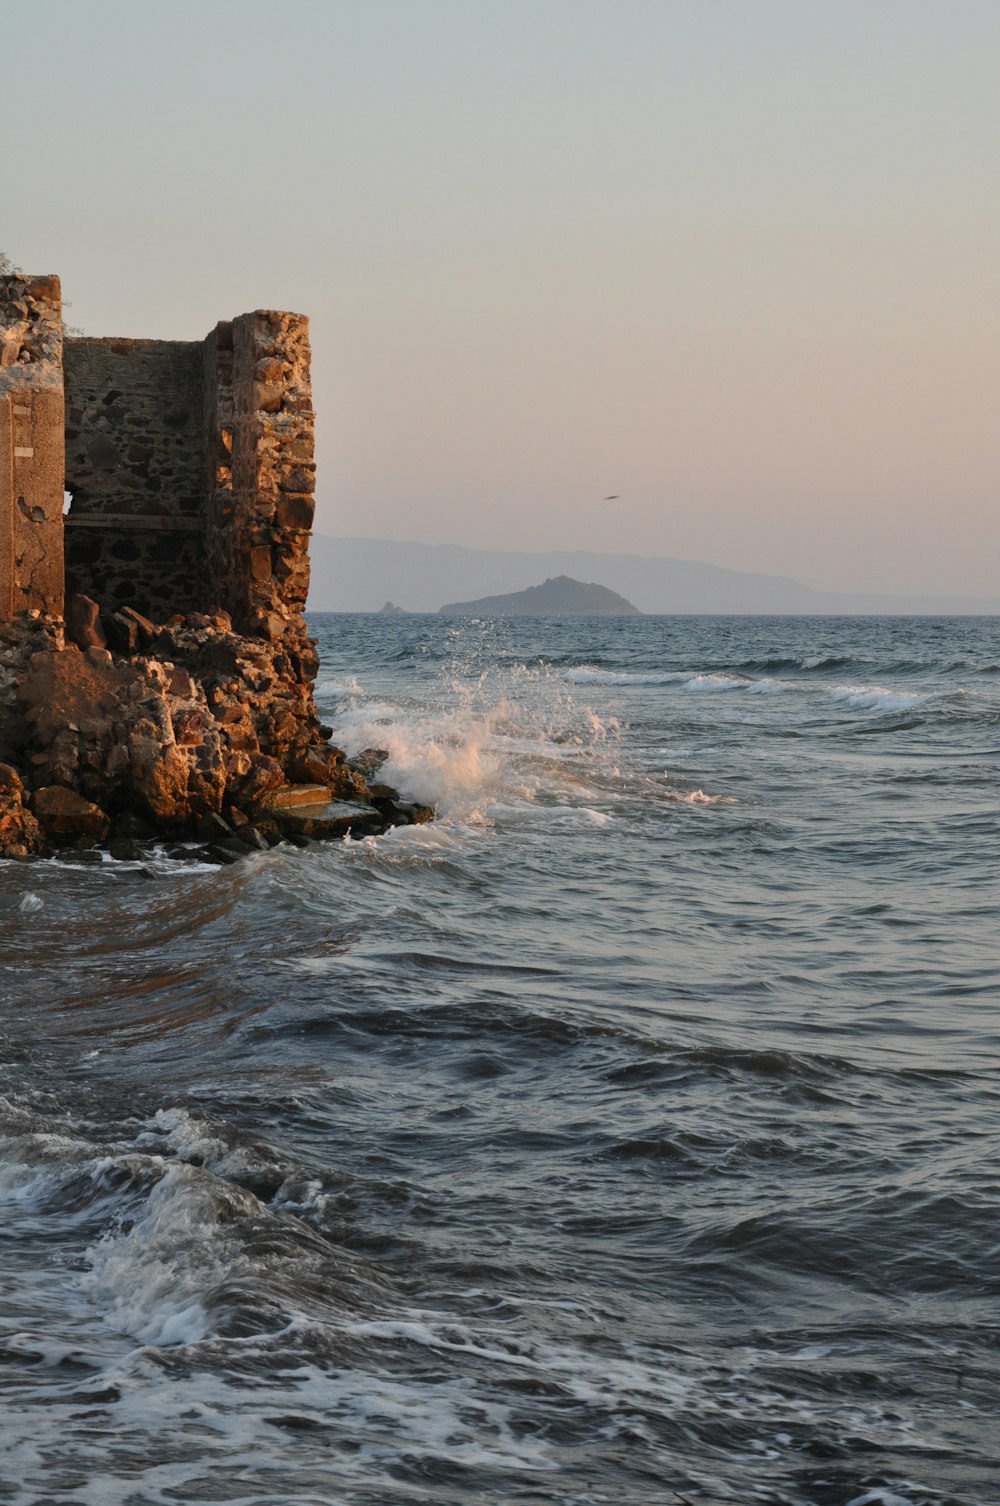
point(171, 693)
point(135, 473)
point(260, 430)
point(189, 466)
point(31, 446)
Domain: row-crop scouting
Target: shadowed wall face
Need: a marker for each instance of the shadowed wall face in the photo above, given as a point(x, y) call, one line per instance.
point(188, 466)
point(135, 467)
point(31, 446)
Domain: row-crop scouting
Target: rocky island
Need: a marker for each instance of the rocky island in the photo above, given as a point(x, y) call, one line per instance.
point(561, 596)
point(156, 670)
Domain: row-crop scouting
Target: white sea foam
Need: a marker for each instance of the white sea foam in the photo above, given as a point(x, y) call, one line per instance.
point(447, 761)
point(588, 674)
point(688, 680)
point(880, 1497)
point(698, 797)
point(714, 683)
point(558, 817)
point(516, 737)
point(153, 1281)
point(877, 698)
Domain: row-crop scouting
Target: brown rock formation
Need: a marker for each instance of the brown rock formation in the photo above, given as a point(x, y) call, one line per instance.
point(176, 700)
point(20, 834)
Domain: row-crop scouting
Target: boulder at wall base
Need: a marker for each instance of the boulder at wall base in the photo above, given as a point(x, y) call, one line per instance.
point(319, 766)
point(328, 766)
point(20, 834)
point(115, 733)
point(66, 819)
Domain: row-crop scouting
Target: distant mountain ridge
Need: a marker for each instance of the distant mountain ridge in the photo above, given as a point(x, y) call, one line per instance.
point(559, 596)
point(357, 574)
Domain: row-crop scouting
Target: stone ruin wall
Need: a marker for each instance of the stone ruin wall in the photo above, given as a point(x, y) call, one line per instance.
point(31, 447)
point(171, 694)
point(189, 465)
point(135, 473)
point(260, 434)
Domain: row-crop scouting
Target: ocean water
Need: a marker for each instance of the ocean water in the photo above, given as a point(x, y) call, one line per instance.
point(628, 1135)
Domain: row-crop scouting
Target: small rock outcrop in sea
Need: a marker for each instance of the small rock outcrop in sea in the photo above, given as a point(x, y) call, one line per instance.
point(167, 488)
point(561, 596)
point(391, 610)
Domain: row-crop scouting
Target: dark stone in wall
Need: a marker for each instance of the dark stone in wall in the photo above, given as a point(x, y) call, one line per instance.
point(157, 573)
point(135, 447)
point(135, 431)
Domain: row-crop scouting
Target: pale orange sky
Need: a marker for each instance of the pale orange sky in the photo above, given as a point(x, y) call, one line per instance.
point(738, 262)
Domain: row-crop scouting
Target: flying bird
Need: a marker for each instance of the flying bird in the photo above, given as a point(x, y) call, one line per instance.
point(615, 498)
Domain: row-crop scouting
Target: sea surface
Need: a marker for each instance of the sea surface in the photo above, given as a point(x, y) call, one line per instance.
point(628, 1135)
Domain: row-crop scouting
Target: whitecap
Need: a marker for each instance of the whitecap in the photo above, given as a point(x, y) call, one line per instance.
point(880, 1497)
point(876, 697)
point(698, 797)
point(715, 682)
point(588, 674)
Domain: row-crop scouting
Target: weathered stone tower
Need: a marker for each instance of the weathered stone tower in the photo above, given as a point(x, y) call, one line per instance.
point(185, 468)
point(156, 671)
point(31, 447)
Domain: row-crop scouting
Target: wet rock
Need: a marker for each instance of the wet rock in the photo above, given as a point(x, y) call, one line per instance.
point(213, 825)
point(412, 814)
point(177, 730)
point(269, 831)
point(336, 818)
point(66, 819)
point(226, 850)
point(126, 849)
point(131, 825)
point(252, 839)
point(378, 794)
point(369, 761)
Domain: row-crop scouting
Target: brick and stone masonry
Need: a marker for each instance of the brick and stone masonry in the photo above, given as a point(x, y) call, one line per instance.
point(156, 502)
point(31, 446)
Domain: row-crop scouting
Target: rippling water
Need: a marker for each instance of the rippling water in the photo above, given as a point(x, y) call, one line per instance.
point(628, 1135)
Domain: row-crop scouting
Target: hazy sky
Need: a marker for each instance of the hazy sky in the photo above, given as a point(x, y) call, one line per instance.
point(736, 260)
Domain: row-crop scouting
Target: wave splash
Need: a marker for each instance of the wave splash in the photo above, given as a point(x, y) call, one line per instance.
point(516, 736)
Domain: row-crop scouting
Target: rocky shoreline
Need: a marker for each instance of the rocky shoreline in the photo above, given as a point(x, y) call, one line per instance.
point(119, 734)
point(141, 480)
